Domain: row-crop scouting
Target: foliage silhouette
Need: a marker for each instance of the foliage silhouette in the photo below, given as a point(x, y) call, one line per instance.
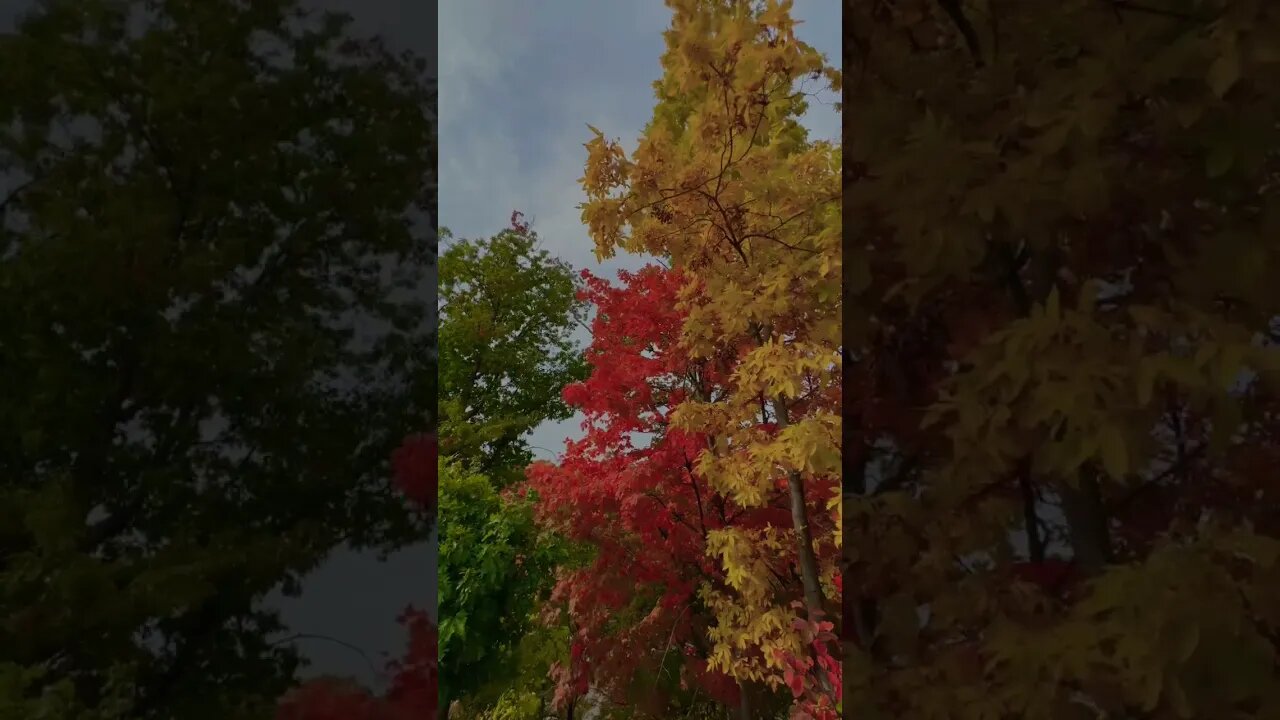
point(215, 237)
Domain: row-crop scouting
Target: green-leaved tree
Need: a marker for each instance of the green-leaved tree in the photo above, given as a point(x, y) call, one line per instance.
point(508, 310)
point(215, 235)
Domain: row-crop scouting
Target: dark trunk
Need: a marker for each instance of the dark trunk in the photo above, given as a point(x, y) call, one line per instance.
point(813, 599)
point(1035, 542)
point(1087, 522)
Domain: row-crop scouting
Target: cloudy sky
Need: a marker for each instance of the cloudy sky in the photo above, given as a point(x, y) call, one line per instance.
point(520, 81)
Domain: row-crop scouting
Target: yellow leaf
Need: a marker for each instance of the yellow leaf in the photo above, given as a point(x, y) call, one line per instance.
point(1182, 637)
point(1204, 354)
point(1189, 113)
point(900, 622)
point(1178, 698)
point(1230, 365)
point(1225, 71)
point(1151, 686)
point(1088, 297)
point(1115, 455)
point(1146, 316)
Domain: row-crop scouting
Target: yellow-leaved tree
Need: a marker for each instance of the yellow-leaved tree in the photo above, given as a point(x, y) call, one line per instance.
point(1063, 416)
point(727, 186)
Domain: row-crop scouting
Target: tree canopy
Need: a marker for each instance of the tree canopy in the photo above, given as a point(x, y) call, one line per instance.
point(508, 310)
point(1061, 374)
point(507, 313)
point(215, 236)
point(726, 186)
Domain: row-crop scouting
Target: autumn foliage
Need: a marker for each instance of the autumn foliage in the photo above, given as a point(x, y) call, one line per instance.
point(732, 509)
point(1061, 380)
point(415, 469)
point(629, 490)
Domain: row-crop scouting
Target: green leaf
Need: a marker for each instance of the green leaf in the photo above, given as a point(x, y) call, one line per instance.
point(1053, 306)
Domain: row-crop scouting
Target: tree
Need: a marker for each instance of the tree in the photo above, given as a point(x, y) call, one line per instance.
point(726, 184)
point(507, 312)
point(527, 693)
point(1063, 381)
point(494, 566)
point(204, 201)
point(629, 492)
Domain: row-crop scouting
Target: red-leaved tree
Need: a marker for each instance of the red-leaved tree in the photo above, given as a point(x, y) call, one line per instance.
point(629, 489)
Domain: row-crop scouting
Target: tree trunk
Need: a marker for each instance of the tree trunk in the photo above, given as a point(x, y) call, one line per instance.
point(813, 599)
point(804, 545)
point(1087, 522)
point(1035, 542)
point(1082, 505)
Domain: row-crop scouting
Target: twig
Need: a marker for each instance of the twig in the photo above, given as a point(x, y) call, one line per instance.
point(380, 674)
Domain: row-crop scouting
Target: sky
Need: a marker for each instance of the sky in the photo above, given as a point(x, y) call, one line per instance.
point(520, 82)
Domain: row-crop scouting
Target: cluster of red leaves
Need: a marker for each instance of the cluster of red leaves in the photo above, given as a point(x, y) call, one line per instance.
point(413, 694)
point(414, 690)
point(329, 699)
point(571, 681)
point(1052, 575)
point(812, 703)
point(414, 467)
point(718, 686)
point(643, 508)
point(518, 223)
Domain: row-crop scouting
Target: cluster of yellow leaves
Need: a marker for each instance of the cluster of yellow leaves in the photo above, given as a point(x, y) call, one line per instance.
point(1167, 633)
point(726, 184)
point(751, 626)
point(1053, 374)
point(810, 446)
